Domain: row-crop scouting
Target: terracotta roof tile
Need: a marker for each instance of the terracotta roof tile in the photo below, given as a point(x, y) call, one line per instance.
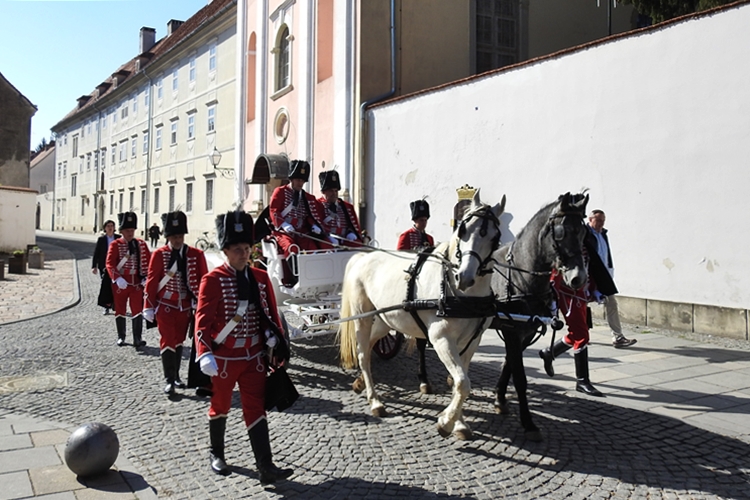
point(160, 48)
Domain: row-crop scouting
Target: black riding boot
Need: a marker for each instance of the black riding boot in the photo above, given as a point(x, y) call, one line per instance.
point(549, 355)
point(121, 330)
point(583, 384)
point(216, 428)
point(168, 363)
point(177, 360)
point(138, 341)
point(260, 441)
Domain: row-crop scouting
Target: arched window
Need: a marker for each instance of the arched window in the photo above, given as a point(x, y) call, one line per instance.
point(283, 59)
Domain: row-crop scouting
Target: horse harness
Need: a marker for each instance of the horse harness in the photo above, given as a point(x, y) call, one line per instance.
point(451, 306)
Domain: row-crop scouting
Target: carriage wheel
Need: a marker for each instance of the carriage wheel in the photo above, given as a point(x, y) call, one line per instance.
point(388, 346)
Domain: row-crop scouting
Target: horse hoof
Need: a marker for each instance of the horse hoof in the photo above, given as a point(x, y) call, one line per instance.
point(502, 408)
point(535, 436)
point(379, 412)
point(425, 388)
point(443, 433)
point(464, 435)
point(358, 386)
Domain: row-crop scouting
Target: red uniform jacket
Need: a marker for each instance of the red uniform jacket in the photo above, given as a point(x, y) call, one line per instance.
point(134, 270)
point(217, 305)
point(342, 221)
point(302, 217)
point(414, 239)
point(174, 294)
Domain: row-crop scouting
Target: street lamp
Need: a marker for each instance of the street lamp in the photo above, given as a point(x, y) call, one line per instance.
point(215, 158)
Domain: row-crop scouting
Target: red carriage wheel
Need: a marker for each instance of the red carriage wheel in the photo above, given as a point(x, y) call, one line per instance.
point(388, 346)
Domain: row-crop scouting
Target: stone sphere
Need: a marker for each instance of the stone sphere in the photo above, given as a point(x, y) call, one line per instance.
point(91, 449)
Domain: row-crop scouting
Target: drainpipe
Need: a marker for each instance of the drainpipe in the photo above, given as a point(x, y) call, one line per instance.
point(360, 168)
point(149, 127)
point(241, 94)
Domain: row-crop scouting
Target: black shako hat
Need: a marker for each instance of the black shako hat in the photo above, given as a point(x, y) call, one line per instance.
point(329, 180)
point(299, 169)
point(128, 220)
point(174, 223)
point(419, 208)
point(234, 227)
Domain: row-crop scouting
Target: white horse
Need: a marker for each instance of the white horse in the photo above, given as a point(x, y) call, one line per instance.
point(460, 268)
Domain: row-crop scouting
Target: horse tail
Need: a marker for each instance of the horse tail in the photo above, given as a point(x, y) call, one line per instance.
point(347, 334)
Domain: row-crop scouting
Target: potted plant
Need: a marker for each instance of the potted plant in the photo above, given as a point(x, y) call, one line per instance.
point(17, 262)
point(36, 258)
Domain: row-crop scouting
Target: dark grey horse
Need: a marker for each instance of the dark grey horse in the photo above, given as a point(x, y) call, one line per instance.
point(552, 239)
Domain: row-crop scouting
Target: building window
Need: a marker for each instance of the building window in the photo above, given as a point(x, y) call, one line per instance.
point(88, 128)
point(133, 146)
point(160, 88)
point(104, 121)
point(211, 118)
point(114, 117)
point(209, 195)
point(83, 206)
point(114, 154)
point(497, 34)
point(83, 130)
point(158, 138)
point(111, 204)
point(212, 57)
point(124, 110)
point(132, 200)
point(145, 143)
point(123, 150)
point(75, 145)
point(135, 104)
point(80, 165)
point(283, 58)
point(191, 72)
point(171, 198)
point(191, 127)
point(189, 197)
point(59, 170)
point(65, 169)
point(96, 161)
point(175, 81)
point(143, 201)
point(147, 97)
point(88, 162)
point(121, 204)
point(156, 200)
point(73, 184)
point(104, 158)
point(173, 134)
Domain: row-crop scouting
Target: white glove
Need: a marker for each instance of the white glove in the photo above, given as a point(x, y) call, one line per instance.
point(351, 237)
point(285, 226)
point(333, 241)
point(209, 366)
point(121, 283)
point(316, 229)
point(149, 315)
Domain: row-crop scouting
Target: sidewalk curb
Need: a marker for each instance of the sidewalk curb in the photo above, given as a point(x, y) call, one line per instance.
point(74, 302)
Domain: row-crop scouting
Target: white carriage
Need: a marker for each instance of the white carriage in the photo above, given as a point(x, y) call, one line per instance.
point(316, 296)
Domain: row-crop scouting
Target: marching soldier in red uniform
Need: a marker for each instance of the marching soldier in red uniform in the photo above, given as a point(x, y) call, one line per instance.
point(416, 237)
point(127, 265)
point(236, 315)
point(174, 277)
point(340, 220)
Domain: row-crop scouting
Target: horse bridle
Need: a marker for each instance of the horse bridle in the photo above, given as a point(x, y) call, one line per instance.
point(558, 230)
point(487, 216)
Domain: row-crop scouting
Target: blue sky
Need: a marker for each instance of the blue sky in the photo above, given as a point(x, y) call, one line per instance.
point(54, 51)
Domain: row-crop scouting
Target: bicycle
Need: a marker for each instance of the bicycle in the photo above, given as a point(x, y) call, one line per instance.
point(205, 243)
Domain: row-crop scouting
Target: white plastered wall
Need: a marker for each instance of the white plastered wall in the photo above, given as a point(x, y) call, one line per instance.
point(656, 124)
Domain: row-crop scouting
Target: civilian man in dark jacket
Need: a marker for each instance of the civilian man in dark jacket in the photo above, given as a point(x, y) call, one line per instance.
point(99, 265)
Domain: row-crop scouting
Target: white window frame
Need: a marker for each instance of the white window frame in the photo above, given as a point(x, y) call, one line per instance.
point(156, 200)
point(145, 142)
point(171, 198)
point(211, 119)
point(175, 80)
point(209, 195)
point(133, 146)
point(160, 88)
point(212, 57)
point(191, 126)
point(157, 144)
point(189, 197)
point(173, 134)
point(147, 97)
point(191, 70)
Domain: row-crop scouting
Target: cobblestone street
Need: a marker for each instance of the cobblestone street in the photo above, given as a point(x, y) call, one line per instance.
point(591, 448)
